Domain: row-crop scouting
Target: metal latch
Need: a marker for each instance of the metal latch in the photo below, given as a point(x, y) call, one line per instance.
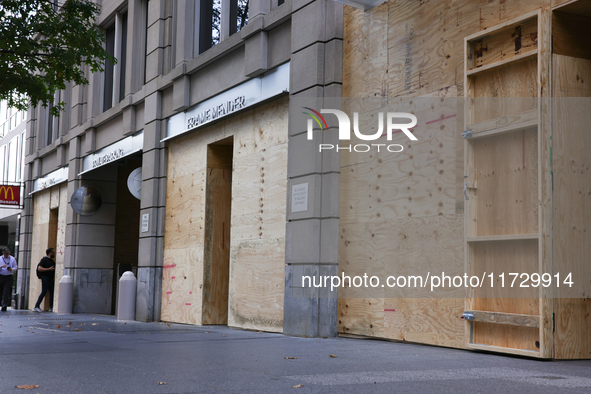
point(465, 188)
point(468, 316)
point(467, 133)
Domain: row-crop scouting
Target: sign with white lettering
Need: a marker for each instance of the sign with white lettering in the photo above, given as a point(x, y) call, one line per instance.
point(299, 197)
point(53, 178)
point(270, 84)
point(113, 152)
point(145, 222)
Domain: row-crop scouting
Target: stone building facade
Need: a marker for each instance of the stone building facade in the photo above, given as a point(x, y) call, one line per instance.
point(196, 113)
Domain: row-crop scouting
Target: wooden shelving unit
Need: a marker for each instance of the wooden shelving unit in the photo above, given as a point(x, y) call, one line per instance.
point(503, 183)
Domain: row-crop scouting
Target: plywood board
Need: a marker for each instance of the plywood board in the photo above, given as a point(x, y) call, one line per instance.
point(494, 89)
point(216, 268)
point(500, 257)
point(41, 203)
point(571, 35)
point(424, 56)
point(259, 184)
point(365, 52)
point(572, 204)
point(506, 168)
point(503, 44)
point(513, 337)
point(45, 229)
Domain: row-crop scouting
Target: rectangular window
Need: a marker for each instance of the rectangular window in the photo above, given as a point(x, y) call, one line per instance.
point(114, 74)
point(22, 156)
point(9, 157)
point(209, 12)
point(238, 15)
point(13, 159)
point(49, 132)
point(109, 69)
point(122, 57)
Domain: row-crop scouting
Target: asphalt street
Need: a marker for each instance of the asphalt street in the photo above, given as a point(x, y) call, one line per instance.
point(96, 354)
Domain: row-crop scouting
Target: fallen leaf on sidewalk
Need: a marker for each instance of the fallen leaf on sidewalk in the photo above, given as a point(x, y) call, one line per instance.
point(224, 335)
point(168, 324)
point(207, 332)
point(298, 386)
point(58, 326)
point(161, 383)
point(95, 324)
point(332, 356)
point(291, 358)
point(28, 386)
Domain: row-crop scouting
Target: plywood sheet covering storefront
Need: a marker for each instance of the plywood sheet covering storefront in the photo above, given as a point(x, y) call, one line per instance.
point(415, 211)
point(49, 223)
point(258, 209)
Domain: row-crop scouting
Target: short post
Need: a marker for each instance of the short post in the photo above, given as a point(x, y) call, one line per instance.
point(66, 295)
point(126, 297)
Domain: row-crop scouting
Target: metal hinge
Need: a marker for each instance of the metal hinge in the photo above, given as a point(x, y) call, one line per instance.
point(467, 133)
point(468, 316)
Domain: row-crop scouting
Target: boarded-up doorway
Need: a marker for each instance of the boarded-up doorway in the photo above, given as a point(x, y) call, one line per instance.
point(216, 268)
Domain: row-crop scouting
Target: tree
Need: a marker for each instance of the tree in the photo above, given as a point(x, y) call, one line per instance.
point(44, 45)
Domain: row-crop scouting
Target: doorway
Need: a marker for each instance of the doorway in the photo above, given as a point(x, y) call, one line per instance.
point(52, 243)
point(216, 267)
point(127, 226)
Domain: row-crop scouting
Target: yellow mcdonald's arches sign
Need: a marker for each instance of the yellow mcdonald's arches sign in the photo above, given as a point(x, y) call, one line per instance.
point(10, 195)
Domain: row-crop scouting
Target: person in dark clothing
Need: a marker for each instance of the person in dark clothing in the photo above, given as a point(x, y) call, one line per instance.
point(46, 268)
point(7, 268)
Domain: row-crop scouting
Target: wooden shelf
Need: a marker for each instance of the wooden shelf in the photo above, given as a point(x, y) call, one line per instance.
point(500, 349)
point(505, 25)
point(502, 63)
point(512, 237)
point(505, 124)
point(512, 319)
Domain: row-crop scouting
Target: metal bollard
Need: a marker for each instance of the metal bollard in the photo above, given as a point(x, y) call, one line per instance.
point(66, 295)
point(126, 297)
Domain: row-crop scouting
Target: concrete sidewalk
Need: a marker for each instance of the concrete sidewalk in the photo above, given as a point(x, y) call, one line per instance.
point(97, 354)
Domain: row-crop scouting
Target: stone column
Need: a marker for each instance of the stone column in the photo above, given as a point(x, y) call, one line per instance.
point(312, 235)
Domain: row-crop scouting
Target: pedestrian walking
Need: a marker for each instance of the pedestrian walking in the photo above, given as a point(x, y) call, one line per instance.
point(7, 268)
point(46, 272)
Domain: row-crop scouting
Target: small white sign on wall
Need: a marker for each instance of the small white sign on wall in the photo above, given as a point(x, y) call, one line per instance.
point(299, 197)
point(145, 222)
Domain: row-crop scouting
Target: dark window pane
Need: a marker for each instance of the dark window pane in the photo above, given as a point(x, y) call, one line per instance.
point(209, 24)
point(109, 69)
point(49, 134)
point(123, 59)
point(238, 15)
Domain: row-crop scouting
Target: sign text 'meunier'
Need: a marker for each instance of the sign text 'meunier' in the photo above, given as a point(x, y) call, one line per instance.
point(216, 112)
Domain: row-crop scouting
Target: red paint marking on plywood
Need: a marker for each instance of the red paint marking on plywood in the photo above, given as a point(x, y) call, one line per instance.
point(439, 120)
point(169, 266)
point(169, 292)
point(172, 277)
point(187, 303)
point(389, 310)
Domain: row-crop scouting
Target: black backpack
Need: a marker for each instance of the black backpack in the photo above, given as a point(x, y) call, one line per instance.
point(38, 273)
